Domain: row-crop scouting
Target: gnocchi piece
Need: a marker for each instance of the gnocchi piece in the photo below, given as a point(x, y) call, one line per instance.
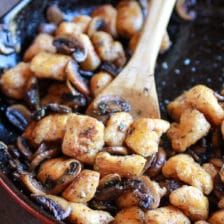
point(43, 42)
point(66, 28)
point(116, 128)
point(191, 201)
point(83, 187)
point(57, 174)
point(192, 127)
point(166, 215)
point(92, 61)
point(129, 18)
point(132, 215)
point(99, 82)
point(147, 196)
point(108, 49)
point(14, 81)
point(50, 128)
point(109, 15)
point(125, 166)
point(49, 66)
point(217, 217)
point(144, 135)
point(184, 168)
point(201, 98)
point(81, 214)
point(82, 22)
point(201, 222)
point(84, 138)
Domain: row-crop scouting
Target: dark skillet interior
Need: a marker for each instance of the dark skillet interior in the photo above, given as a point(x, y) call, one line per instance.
point(197, 54)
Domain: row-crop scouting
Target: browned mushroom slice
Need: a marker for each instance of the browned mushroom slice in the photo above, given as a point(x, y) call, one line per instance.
point(49, 154)
point(110, 104)
point(72, 45)
point(59, 207)
point(74, 77)
point(183, 9)
point(32, 184)
point(19, 116)
point(24, 147)
point(54, 14)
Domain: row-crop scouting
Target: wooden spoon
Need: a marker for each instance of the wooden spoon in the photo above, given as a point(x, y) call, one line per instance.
point(136, 83)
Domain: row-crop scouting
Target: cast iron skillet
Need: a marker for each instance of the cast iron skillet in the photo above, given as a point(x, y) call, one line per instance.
point(196, 57)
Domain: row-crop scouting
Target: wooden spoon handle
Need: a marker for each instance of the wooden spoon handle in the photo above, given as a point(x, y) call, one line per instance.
point(150, 41)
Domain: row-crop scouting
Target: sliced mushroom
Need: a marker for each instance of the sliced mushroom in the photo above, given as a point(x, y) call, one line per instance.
point(184, 11)
point(57, 206)
point(50, 109)
point(74, 77)
point(72, 45)
point(110, 68)
point(32, 184)
point(49, 154)
point(19, 116)
point(32, 96)
point(24, 147)
point(110, 104)
point(55, 15)
point(116, 150)
point(103, 205)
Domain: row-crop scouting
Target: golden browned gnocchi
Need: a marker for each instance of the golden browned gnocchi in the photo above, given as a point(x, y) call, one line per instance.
point(100, 81)
point(49, 66)
point(116, 128)
point(129, 18)
point(184, 168)
point(43, 42)
point(83, 187)
point(13, 82)
point(201, 98)
point(65, 28)
point(144, 135)
point(50, 128)
point(217, 217)
point(125, 166)
point(132, 215)
point(166, 215)
point(201, 222)
point(84, 138)
point(82, 22)
point(192, 127)
point(191, 201)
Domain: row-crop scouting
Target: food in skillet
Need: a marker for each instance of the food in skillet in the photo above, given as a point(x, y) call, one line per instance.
point(87, 166)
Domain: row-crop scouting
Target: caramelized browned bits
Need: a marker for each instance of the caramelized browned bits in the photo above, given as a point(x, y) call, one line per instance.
point(74, 77)
point(184, 168)
point(49, 66)
point(201, 98)
point(55, 205)
point(57, 174)
point(144, 135)
point(129, 18)
point(116, 128)
point(156, 163)
point(19, 116)
point(99, 82)
point(83, 187)
point(132, 215)
point(192, 127)
point(109, 15)
point(84, 138)
point(125, 166)
point(55, 15)
point(217, 217)
point(43, 42)
point(13, 82)
point(184, 11)
point(191, 201)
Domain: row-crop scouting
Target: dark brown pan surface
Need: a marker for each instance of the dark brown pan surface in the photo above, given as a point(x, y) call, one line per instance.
point(196, 56)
